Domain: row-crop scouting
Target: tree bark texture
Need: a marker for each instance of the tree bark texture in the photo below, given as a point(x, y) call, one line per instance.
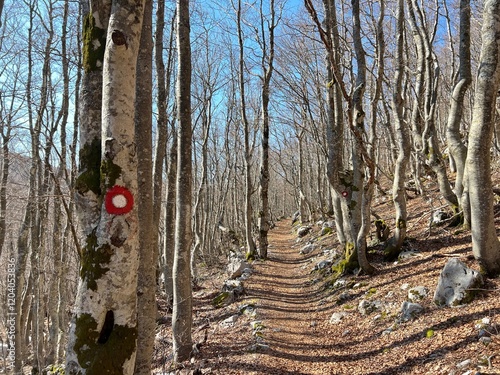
point(485, 244)
point(456, 146)
point(148, 230)
point(394, 245)
point(182, 312)
point(267, 67)
point(103, 336)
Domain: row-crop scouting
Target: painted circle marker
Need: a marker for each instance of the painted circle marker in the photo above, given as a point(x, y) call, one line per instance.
point(119, 200)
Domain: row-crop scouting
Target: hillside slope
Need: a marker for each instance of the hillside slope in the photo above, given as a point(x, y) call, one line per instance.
point(293, 304)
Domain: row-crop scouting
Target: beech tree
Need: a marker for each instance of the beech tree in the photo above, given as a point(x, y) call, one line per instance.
point(182, 319)
point(352, 190)
point(103, 335)
point(267, 62)
point(485, 244)
point(458, 150)
point(148, 230)
point(250, 243)
point(393, 247)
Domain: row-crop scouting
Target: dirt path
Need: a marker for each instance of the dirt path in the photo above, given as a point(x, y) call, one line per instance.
point(287, 305)
point(291, 309)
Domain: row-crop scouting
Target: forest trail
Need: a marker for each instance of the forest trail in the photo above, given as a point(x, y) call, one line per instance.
point(294, 306)
point(287, 303)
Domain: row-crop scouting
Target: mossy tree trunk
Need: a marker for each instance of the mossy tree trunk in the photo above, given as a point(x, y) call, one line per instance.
point(103, 335)
point(348, 186)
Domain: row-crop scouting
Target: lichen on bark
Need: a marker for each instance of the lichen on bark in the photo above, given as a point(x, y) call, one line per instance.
point(94, 45)
point(103, 358)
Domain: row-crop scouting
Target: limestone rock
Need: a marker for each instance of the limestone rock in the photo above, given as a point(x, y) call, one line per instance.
point(323, 264)
point(455, 284)
point(303, 231)
point(229, 322)
point(337, 317)
point(309, 248)
point(366, 307)
point(417, 293)
point(410, 310)
point(236, 267)
point(233, 286)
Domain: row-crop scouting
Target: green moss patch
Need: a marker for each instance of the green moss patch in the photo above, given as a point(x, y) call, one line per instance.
point(94, 45)
point(110, 172)
point(90, 161)
point(222, 299)
point(106, 358)
point(94, 261)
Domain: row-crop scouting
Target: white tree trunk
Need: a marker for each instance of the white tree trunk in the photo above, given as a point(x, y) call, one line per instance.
point(103, 335)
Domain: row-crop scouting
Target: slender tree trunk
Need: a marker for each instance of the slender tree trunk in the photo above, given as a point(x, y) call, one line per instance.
point(164, 80)
point(362, 229)
point(458, 150)
point(6, 131)
point(267, 67)
point(28, 239)
point(394, 245)
point(170, 209)
point(250, 244)
point(182, 312)
point(201, 195)
point(148, 232)
point(485, 244)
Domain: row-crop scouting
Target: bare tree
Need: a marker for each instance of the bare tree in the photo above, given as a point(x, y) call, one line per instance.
point(250, 244)
point(456, 145)
point(393, 247)
point(148, 232)
point(267, 62)
point(183, 304)
point(485, 244)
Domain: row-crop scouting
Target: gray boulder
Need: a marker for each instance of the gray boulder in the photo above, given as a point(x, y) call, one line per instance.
point(410, 310)
point(455, 284)
point(366, 307)
point(236, 267)
point(309, 248)
point(323, 264)
point(337, 317)
point(417, 293)
point(234, 286)
point(303, 231)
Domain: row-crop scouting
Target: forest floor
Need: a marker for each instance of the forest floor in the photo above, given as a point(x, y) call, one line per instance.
point(287, 329)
